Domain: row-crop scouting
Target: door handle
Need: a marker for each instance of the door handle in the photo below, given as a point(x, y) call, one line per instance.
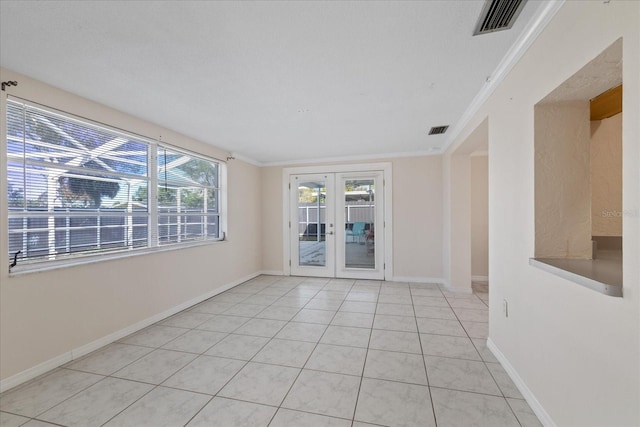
point(331, 232)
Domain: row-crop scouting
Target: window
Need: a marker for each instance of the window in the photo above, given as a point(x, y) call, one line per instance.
point(188, 195)
point(79, 188)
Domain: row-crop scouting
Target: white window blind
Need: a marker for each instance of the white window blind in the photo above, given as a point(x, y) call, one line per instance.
point(79, 188)
point(188, 197)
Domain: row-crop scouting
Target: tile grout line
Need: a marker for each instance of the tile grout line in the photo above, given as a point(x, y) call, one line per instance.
point(307, 360)
point(484, 362)
point(243, 366)
point(424, 362)
point(258, 351)
point(366, 356)
point(498, 385)
point(155, 386)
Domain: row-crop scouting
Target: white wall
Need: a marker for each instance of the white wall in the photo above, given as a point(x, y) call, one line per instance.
point(606, 176)
point(562, 180)
point(577, 351)
point(417, 215)
point(45, 315)
point(479, 216)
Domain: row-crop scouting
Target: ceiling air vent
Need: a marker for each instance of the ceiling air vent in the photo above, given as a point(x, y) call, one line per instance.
point(437, 130)
point(498, 15)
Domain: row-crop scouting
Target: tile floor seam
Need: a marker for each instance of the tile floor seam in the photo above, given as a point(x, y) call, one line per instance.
point(305, 363)
point(73, 395)
point(128, 406)
point(43, 421)
point(468, 391)
point(305, 412)
point(302, 369)
point(426, 371)
point(364, 365)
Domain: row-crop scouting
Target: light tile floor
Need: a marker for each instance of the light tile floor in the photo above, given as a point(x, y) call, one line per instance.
point(290, 351)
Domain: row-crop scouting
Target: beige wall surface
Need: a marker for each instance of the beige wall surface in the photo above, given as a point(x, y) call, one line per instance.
point(460, 273)
point(581, 368)
point(480, 216)
point(46, 314)
point(562, 184)
point(417, 215)
point(606, 176)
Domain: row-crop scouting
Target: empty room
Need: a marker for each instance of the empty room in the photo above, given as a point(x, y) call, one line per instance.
point(320, 213)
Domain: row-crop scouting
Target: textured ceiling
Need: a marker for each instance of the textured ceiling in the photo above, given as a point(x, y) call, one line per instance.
point(272, 81)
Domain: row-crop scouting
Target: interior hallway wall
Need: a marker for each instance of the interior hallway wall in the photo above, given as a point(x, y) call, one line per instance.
point(575, 350)
point(457, 208)
point(479, 217)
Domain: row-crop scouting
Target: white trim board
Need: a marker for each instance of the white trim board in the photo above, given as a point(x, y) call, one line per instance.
point(357, 158)
point(479, 278)
point(76, 353)
point(528, 395)
point(414, 279)
point(272, 272)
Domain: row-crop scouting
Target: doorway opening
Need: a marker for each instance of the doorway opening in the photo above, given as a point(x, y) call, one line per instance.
point(338, 222)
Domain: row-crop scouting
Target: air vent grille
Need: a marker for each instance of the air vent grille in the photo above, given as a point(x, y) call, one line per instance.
point(498, 15)
point(437, 130)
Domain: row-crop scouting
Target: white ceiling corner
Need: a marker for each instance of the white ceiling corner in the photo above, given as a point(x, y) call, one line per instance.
point(275, 82)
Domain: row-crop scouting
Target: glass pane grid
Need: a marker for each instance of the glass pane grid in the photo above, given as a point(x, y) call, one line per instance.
point(54, 237)
point(312, 224)
point(76, 187)
point(359, 244)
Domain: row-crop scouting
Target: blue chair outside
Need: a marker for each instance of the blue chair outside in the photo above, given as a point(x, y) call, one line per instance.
point(357, 231)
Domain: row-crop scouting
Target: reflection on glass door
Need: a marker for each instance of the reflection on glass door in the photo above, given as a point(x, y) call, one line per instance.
point(360, 220)
point(312, 244)
point(360, 210)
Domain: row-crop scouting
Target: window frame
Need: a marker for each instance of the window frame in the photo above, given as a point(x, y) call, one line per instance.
point(153, 244)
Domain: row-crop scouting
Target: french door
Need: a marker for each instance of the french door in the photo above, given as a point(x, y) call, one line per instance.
point(333, 222)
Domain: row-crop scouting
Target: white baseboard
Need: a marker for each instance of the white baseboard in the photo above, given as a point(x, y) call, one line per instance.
point(272, 272)
point(480, 278)
point(76, 353)
point(413, 279)
point(535, 405)
point(36, 371)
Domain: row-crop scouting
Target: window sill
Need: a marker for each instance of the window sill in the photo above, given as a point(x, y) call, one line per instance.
point(92, 259)
point(587, 273)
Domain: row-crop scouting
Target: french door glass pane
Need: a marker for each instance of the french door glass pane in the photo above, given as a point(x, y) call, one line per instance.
point(312, 223)
point(359, 247)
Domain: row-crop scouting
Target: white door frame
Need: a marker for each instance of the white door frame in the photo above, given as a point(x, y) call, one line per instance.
point(329, 266)
point(341, 269)
point(387, 170)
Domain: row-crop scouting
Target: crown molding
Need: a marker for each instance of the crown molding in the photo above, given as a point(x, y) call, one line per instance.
point(356, 158)
point(534, 28)
point(246, 159)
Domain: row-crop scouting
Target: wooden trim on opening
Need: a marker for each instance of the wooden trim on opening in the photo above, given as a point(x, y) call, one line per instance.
point(607, 104)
